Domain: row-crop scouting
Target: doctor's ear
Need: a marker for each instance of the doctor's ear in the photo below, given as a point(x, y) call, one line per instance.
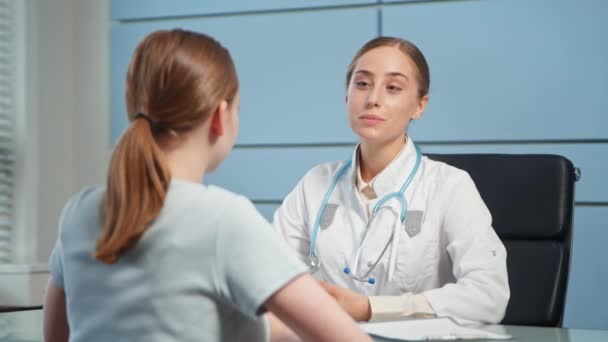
point(219, 117)
point(421, 107)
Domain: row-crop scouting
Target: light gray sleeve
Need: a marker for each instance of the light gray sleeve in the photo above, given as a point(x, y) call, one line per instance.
point(253, 261)
point(56, 259)
point(56, 264)
point(290, 221)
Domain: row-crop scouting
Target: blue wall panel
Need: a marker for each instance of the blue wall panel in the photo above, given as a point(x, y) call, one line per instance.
point(510, 70)
point(268, 174)
point(146, 9)
point(291, 68)
point(267, 209)
point(586, 299)
point(413, 1)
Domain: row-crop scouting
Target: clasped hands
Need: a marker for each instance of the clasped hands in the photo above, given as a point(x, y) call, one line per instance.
point(355, 304)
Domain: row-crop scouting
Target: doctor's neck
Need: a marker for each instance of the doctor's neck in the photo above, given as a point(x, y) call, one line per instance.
point(374, 157)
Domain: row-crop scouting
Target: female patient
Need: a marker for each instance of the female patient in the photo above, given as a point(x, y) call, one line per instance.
point(154, 255)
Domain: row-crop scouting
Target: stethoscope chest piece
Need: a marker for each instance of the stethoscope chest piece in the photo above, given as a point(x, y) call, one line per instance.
point(314, 263)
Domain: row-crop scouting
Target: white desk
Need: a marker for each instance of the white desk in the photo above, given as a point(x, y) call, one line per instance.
point(26, 326)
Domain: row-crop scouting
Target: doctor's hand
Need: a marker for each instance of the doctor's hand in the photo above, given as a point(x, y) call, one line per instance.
point(353, 303)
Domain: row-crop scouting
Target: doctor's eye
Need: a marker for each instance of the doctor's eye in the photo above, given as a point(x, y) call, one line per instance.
point(394, 88)
point(362, 84)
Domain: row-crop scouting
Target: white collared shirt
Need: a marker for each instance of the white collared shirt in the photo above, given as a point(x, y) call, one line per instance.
point(366, 190)
point(450, 254)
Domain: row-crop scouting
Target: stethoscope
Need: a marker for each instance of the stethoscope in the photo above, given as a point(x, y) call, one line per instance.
point(314, 262)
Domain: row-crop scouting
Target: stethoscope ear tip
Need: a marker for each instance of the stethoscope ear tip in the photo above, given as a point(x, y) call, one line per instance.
point(346, 270)
point(371, 281)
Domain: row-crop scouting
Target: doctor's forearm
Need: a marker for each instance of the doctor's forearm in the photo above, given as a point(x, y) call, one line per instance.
point(469, 301)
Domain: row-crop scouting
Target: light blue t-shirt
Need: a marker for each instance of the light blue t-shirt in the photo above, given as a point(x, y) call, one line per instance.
point(201, 271)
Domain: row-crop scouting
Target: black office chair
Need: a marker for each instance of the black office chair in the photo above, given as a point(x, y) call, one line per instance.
point(531, 198)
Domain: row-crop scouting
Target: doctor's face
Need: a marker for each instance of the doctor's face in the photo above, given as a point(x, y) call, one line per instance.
point(382, 95)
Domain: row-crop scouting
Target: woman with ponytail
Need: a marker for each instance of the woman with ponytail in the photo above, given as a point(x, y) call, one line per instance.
point(154, 254)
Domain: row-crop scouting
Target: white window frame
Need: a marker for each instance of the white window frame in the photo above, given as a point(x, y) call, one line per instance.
point(25, 240)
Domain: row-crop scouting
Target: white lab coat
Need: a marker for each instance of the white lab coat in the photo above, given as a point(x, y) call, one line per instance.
point(456, 260)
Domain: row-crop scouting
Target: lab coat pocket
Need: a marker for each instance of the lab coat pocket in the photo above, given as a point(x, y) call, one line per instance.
point(416, 261)
point(328, 216)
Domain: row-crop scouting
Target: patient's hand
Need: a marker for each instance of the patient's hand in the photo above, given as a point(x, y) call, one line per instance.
point(355, 304)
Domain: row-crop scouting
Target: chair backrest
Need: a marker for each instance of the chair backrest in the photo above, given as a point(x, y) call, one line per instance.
point(531, 198)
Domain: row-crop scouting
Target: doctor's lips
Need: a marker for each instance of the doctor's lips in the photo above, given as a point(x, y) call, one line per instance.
point(370, 119)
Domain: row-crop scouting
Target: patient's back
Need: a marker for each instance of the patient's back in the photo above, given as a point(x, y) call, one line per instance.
point(201, 271)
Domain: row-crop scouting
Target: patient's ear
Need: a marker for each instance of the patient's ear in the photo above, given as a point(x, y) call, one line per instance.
point(219, 117)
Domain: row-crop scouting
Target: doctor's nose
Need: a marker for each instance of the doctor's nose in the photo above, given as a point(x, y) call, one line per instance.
point(373, 98)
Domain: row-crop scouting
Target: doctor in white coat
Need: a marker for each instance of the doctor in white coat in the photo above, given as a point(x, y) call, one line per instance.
point(390, 233)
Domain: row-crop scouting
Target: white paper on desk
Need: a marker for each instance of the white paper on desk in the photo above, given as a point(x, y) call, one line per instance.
point(428, 329)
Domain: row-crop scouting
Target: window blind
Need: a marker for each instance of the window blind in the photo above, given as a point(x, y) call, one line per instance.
point(7, 127)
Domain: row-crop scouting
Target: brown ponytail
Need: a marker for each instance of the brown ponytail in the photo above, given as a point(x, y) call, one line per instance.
point(137, 164)
point(176, 78)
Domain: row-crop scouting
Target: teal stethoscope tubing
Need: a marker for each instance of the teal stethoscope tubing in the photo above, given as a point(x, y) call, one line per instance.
point(313, 260)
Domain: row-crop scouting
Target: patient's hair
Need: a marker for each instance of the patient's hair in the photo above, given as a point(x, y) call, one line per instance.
point(408, 48)
point(175, 81)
